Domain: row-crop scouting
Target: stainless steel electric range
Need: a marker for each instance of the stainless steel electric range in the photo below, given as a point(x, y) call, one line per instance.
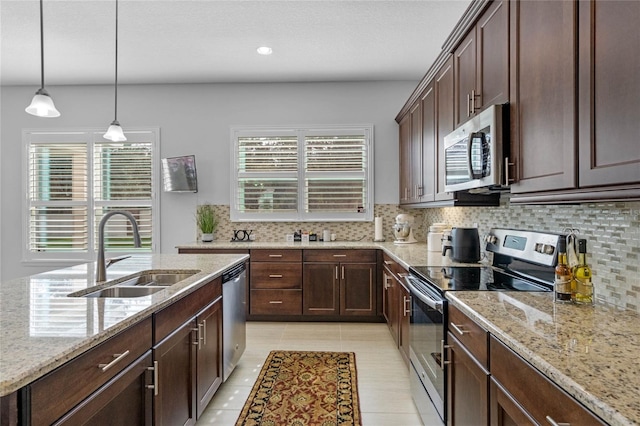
point(521, 261)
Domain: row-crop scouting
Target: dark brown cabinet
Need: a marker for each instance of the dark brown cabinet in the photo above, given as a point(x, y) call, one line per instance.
point(396, 304)
point(411, 178)
point(609, 101)
point(482, 63)
point(405, 158)
point(187, 350)
point(543, 99)
point(339, 282)
point(445, 122)
point(522, 395)
point(468, 375)
point(429, 139)
point(276, 282)
point(404, 314)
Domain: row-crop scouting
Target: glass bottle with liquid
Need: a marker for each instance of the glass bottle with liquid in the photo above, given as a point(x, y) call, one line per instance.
point(582, 276)
point(563, 276)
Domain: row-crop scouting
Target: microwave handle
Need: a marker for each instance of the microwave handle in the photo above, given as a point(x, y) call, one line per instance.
point(473, 137)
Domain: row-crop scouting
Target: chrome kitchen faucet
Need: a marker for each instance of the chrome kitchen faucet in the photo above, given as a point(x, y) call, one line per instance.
point(101, 267)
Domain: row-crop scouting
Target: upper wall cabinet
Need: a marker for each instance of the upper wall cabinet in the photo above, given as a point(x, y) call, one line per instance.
point(609, 93)
point(543, 97)
point(482, 64)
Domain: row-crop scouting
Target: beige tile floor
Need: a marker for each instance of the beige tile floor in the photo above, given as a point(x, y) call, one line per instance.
point(383, 382)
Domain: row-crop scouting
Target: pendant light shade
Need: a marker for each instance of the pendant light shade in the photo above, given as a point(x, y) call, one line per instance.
point(42, 103)
point(114, 132)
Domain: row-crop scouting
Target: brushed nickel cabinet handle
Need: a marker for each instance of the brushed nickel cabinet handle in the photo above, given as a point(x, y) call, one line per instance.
point(443, 363)
point(458, 329)
point(407, 311)
point(154, 386)
point(197, 341)
point(275, 255)
point(275, 276)
point(388, 262)
point(339, 255)
point(204, 332)
point(468, 105)
point(554, 423)
point(275, 302)
point(117, 359)
point(343, 272)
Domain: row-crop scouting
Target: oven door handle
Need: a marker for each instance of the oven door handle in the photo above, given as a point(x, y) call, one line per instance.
point(430, 301)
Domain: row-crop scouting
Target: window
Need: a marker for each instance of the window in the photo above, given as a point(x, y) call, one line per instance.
point(74, 178)
point(286, 174)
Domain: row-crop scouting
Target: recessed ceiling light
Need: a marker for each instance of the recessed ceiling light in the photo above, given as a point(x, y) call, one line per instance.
point(265, 50)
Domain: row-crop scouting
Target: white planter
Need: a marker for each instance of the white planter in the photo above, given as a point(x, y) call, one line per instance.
point(206, 238)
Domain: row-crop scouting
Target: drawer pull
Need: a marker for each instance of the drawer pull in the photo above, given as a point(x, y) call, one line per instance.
point(406, 301)
point(388, 262)
point(204, 332)
point(117, 358)
point(275, 276)
point(458, 329)
point(275, 255)
point(339, 255)
point(154, 386)
point(275, 302)
point(554, 423)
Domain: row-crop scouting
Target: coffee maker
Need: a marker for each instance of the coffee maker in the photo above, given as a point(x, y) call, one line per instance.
point(402, 229)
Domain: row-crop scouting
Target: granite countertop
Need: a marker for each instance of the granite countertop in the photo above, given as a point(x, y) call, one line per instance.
point(589, 351)
point(41, 328)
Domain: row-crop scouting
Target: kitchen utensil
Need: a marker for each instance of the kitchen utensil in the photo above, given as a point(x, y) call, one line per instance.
point(464, 245)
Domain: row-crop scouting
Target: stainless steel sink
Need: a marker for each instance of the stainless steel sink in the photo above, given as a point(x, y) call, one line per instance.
point(156, 279)
point(117, 291)
point(142, 284)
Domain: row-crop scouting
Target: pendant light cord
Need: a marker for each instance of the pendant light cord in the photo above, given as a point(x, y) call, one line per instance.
point(116, 86)
point(41, 48)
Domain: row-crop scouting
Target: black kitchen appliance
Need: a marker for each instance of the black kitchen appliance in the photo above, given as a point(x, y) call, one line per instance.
point(522, 261)
point(464, 244)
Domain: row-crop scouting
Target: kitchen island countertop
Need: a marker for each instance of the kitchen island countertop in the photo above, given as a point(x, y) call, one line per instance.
point(41, 328)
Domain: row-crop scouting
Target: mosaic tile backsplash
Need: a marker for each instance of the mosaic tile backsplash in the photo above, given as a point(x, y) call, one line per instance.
point(612, 231)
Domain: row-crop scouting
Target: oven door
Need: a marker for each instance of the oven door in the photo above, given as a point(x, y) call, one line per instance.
point(426, 343)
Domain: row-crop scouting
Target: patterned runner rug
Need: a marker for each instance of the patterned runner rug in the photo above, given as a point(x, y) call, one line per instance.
point(299, 388)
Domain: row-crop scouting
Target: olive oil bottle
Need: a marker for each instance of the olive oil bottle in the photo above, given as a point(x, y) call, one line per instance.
point(563, 276)
point(582, 276)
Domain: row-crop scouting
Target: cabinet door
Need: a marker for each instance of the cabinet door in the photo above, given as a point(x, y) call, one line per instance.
point(321, 289)
point(465, 77)
point(390, 304)
point(468, 387)
point(505, 411)
point(358, 289)
point(405, 159)
point(429, 161)
point(125, 400)
point(176, 362)
point(404, 316)
point(416, 153)
point(609, 96)
point(492, 69)
point(208, 354)
point(543, 56)
point(445, 122)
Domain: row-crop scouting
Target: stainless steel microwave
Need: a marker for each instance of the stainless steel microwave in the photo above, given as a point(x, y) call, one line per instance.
point(473, 153)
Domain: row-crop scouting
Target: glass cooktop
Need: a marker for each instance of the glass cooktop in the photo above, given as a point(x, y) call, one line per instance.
point(476, 278)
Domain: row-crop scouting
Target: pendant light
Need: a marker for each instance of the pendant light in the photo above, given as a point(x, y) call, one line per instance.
point(42, 103)
point(115, 133)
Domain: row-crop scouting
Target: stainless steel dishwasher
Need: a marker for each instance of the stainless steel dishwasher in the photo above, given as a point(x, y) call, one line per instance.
point(234, 317)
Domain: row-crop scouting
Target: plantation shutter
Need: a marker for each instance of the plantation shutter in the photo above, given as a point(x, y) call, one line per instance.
point(123, 181)
point(267, 174)
point(335, 173)
point(57, 188)
point(313, 174)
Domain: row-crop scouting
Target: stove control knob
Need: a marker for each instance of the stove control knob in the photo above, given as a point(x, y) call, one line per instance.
point(539, 248)
point(492, 239)
point(548, 249)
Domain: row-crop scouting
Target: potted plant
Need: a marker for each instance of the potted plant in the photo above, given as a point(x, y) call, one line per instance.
point(207, 221)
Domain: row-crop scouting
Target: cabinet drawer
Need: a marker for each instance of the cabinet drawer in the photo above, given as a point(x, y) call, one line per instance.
point(285, 255)
point(77, 379)
point(539, 397)
point(173, 316)
point(351, 256)
point(470, 334)
point(276, 302)
point(393, 266)
point(265, 275)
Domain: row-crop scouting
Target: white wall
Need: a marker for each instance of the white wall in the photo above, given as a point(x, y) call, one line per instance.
point(194, 119)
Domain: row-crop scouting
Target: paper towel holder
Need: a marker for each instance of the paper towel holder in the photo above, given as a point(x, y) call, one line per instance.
point(378, 233)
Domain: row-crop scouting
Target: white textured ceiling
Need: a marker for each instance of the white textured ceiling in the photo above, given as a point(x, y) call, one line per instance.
point(186, 41)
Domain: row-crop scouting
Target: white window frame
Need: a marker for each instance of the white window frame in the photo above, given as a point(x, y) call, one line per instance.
point(301, 131)
point(88, 136)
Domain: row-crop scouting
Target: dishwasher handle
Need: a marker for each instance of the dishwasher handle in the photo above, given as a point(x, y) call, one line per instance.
point(234, 272)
